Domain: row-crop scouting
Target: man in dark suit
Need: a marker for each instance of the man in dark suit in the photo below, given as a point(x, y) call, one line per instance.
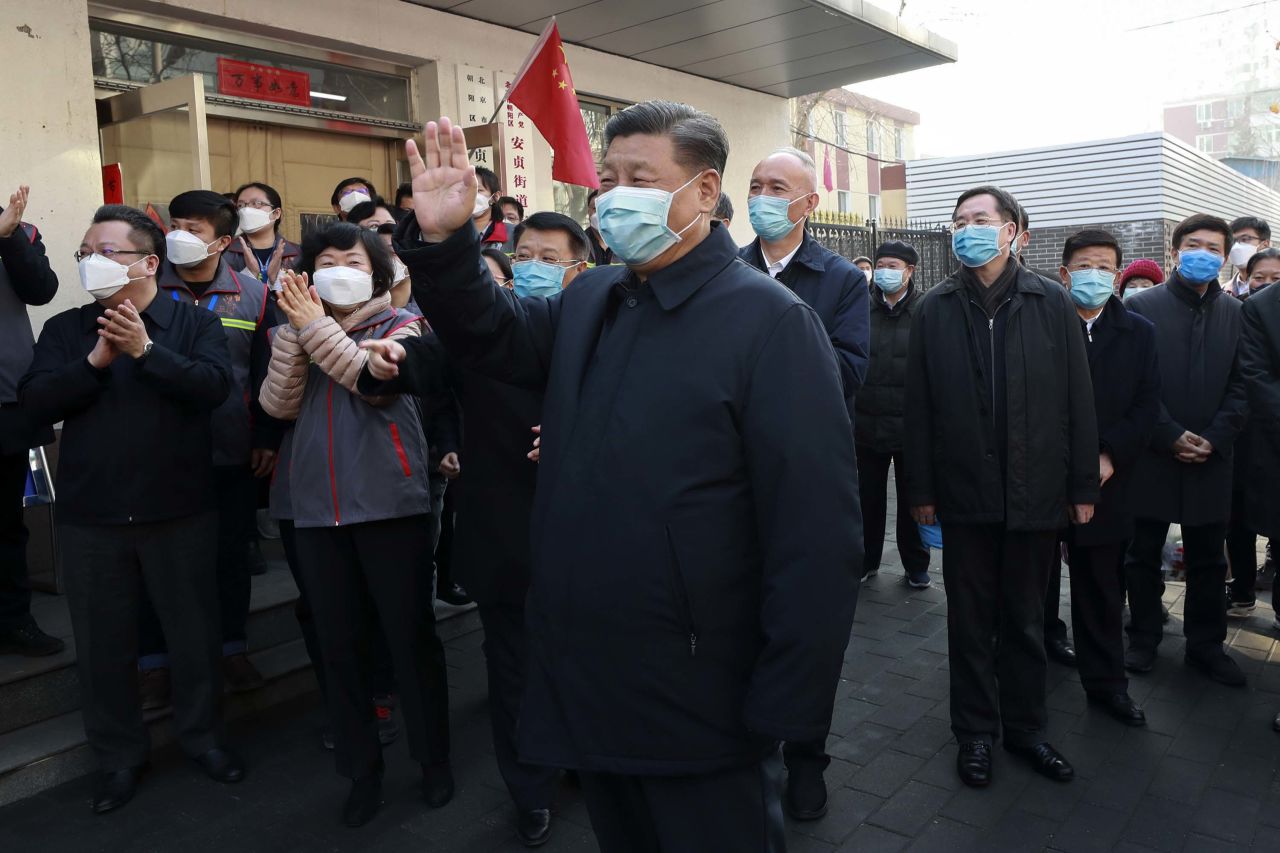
point(1184, 474)
point(695, 528)
point(783, 192)
point(491, 533)
point(1126, 397)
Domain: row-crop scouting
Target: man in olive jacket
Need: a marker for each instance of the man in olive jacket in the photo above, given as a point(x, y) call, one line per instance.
point(1184, 476)
point(695, 532)
point(1001, 443)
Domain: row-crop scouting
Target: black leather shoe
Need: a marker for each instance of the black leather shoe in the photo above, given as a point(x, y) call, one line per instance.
point(534, 827)
point(1045, 760)
point(1139, 660)
point(806, 797)
point(28, 640)
point(221, 765)
point(455, 595)
point(437, 784)
point(363, 801)
point(1060, 650)
point(1220, 667)
point(973, 763)
point(112, 789)
point(1121, 706)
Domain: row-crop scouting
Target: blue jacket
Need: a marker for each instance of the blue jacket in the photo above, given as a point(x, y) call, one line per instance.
point(696, 529)
point(832, 286)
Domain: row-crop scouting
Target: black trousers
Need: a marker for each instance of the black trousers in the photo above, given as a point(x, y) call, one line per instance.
point(235, 489)
point(106, 569)
point(506, 658)
point(1097, 616)
point(995, 581)
point(302, 607)
point(342, 567)
point(1204, 618)
point(444, 540)
point(873, 485)
point(1242, 551)
point(1054, 627)
point(735, 810)
point(15, 588)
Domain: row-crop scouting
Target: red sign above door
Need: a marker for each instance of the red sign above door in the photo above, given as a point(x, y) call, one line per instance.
point(263, 83)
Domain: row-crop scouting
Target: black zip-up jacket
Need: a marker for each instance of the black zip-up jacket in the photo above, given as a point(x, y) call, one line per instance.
point(1201, 391)
point(952, 450)
point(881, 400)
point(1260, 367)
point(25, 279)
point(137, 445)
point(696, 535)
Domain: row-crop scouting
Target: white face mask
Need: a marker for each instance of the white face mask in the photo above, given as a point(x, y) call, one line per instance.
point(102, 277)
point(185, 249)
point(343, 287)
point(595, 222)
point(351, 200)
point(253, 219)
point(481, 205)
point(1241, 253)
point(399, 272)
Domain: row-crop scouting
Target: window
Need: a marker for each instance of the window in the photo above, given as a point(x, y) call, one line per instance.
point(873, 206)
point(844, 201)
point(132, 54)
point(570, 199)
point(1204, 113)
point(842, 128)
point(873, 137)
point(1204, 143)
point(1235, 108)
point(899, 144)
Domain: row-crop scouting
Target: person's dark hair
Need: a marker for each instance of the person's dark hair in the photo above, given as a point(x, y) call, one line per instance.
point(546, 220)
point(344, 236)
point(724, 208)
point(1091, 237)
point(1006, 204)
point(506, 199)
point(214, 208)
point(1023, 220)
point(1201, 222)
point(365, 209)
point(143, 231)
point(268, 191)
point(1259, 225)
point(699, 140)
point(489, 180)
point(592, 195)
point(351, 182)
point(500, 258)
point(403, 191)
point(1260, 255)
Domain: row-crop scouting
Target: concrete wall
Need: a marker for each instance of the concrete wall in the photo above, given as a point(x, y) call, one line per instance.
point(436, 42)
point(49, 134)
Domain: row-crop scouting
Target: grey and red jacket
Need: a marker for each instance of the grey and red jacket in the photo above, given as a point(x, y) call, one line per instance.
point(349, 459)
point(240, 303)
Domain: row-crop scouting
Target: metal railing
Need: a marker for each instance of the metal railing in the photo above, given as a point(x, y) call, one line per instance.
point(931, 239)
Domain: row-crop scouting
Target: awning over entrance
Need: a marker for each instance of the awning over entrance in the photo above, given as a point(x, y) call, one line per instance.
point(781, 47)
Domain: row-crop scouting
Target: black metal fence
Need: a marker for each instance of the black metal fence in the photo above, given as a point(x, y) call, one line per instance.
point(931, 240)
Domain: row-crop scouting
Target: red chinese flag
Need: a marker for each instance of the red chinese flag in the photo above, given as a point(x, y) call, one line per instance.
point(544, 91)
point(155, 217)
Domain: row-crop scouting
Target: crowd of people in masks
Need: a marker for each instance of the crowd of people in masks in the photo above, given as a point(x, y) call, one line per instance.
point(658, 462)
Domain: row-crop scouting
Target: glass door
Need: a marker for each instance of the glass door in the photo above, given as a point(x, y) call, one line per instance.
point(159, 137)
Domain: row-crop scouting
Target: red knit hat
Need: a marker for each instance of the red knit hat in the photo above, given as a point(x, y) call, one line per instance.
point(1142, 268)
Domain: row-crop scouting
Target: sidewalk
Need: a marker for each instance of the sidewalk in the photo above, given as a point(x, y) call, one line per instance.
point(1201, 777)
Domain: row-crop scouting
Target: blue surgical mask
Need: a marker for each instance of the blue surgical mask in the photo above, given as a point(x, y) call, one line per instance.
point(770, 217)
point(1199, 265)
point(1091, 288)
point(633, 222)
point(976, 245)
point(888, 280)
point(536, 278)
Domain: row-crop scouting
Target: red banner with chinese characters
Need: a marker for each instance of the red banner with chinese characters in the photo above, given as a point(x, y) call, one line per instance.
point(263, 83)
point(112, 184)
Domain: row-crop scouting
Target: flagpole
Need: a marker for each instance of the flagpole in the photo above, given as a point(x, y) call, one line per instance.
point(528, 60)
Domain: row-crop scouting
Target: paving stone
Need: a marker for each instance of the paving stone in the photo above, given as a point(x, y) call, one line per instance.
point(1020, 831)
point(1180, 780)
point(911, 809)
point(873, 839)
point(947, 836)
point(1159, 824)
point(887, 772)
point(1226, 815)
point(1089, 828)
point(846, 809)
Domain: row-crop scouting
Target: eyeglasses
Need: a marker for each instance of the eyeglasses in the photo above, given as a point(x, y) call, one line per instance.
point(980, 221)
point(1248, 240)
point(261, 205)
point(519, 259)
point(107, 253)
point(502, 282)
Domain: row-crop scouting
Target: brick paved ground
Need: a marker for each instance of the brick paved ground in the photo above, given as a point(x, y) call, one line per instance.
point(1201, 777)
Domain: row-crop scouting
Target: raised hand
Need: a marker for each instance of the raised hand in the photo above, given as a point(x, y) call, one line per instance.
point(123, 328)
point(298, 301)
point(444, 181)
point(384, 358)
point(13, 213)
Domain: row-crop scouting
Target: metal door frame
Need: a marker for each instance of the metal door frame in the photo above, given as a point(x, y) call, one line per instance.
point(178, 93)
